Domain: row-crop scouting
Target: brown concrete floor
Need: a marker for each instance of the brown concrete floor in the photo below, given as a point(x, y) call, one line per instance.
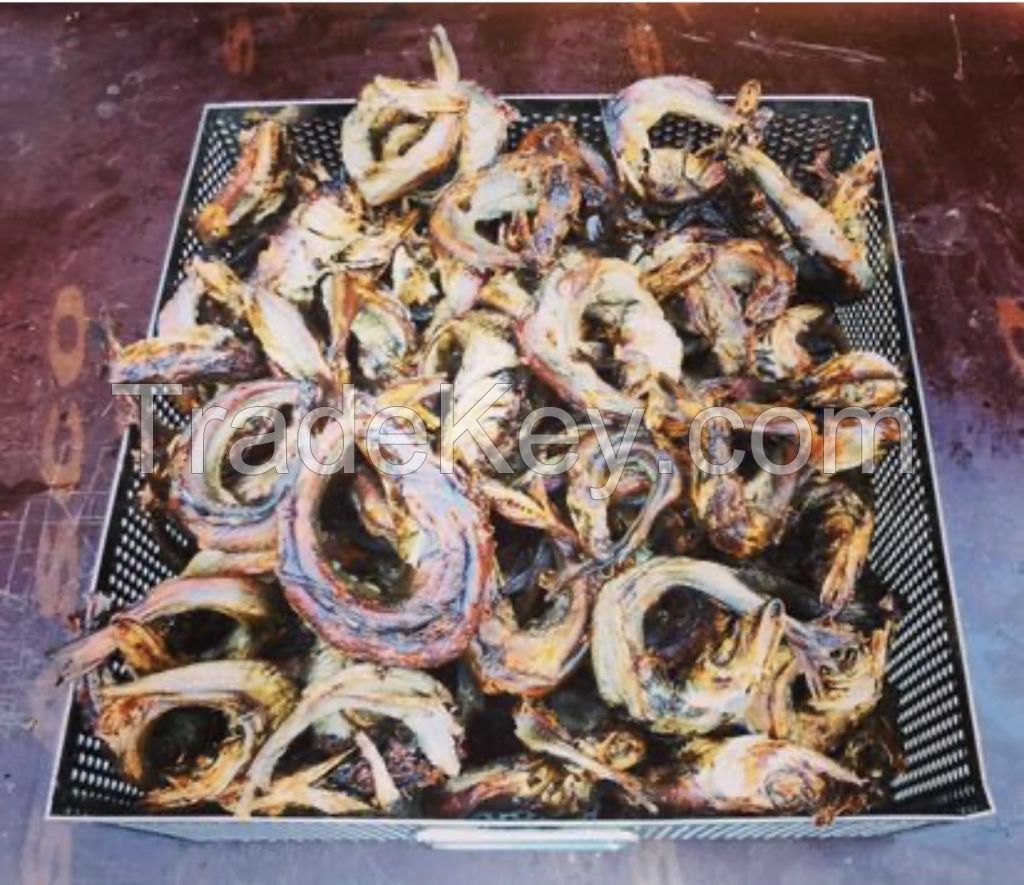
point(98, 108)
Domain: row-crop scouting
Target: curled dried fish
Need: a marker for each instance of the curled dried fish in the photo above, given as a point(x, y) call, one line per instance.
point(204, 281)
point(742, 515)
point(516, 186)
point(542, 277)
point(415, 699)
point(781, 351)
point(535, 658)
point(252, 697)
point(531, 508)
point(835, 232)
point(300, 790)
point(248, 603)
point(722, 685)
point(558, 140)
point(203, 353)
point(724, 290)
point(328, 231)
point(256, 188)
point(540, 731)
point(837, 522)
point(444, 541)
point(208, 508)
point(855, 443)
point(755, 775)
point(478, 345)
point(385, 103)
point(846, 690)
point(589, 511)
point(383, 332)
point(858, 378)
point(484, 127)
point(666, 174)
point(609, 290)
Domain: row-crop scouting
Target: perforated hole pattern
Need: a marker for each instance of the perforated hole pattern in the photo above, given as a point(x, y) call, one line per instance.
point(926, 668)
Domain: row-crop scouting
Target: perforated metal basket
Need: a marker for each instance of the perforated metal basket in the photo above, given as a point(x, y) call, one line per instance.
point(944, 777)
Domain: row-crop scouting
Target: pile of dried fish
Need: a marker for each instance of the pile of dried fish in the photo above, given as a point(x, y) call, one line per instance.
point(478, 640)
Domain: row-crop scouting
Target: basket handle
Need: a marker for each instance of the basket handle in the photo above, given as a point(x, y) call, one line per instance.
point(524, 839)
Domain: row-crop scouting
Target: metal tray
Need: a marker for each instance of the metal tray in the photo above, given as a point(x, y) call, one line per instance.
point(944, 778)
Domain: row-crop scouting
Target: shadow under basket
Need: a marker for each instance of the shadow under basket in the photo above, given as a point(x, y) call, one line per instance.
point(943, 779)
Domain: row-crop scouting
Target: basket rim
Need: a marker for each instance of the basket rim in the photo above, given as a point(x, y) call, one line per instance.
point(525, 96)
point(929, 447)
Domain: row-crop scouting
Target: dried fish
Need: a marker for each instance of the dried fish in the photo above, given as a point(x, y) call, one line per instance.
point(444, 541)
point(251, 605)
point(415, 699)
point(252, 697)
